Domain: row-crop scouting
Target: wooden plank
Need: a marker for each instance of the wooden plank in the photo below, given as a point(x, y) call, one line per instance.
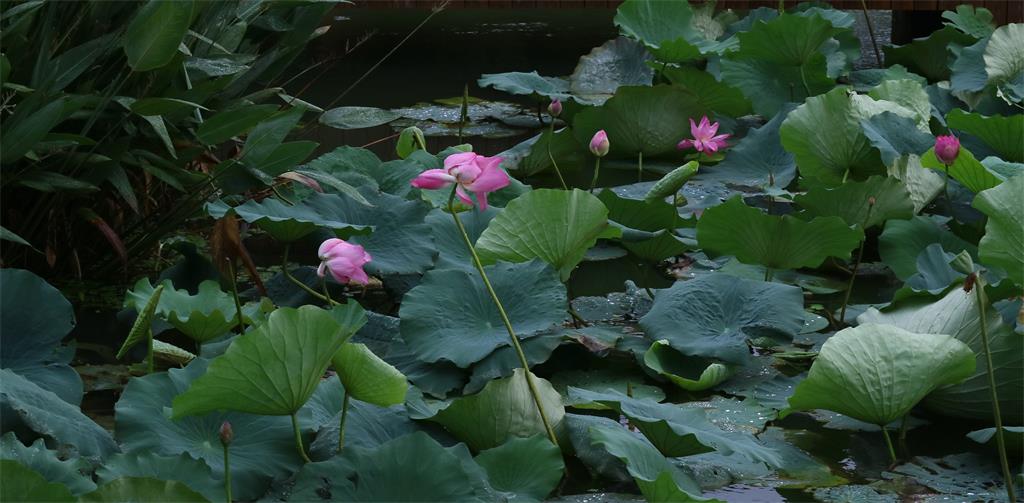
point(948, 4)
point(903, 4)
point(999, 11)
point(1015, 12)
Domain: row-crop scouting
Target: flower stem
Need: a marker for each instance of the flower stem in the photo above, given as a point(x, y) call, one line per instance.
point(341, 424)
point(597, 171)
point(888, 443)
point(227, 474)
point(640, 167)
point(234, 293)
point(856, 265)
point(871, 32)
point(327, 294)
point(551, 138)
point(504, 317)
point(298, 439)
point(293, 279)
point(1000, 440)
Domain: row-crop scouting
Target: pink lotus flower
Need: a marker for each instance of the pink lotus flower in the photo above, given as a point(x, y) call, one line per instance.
point(475, 173)
point(946, 149)
point(704, 139)
point(345, 261)
point(555, 108)
point(599, 144)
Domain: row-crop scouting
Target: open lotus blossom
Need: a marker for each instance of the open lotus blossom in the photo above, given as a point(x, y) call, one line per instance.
point(599, 144)
point(345, 261)
point(947, 148)
point(471, 172)
point(704, 138)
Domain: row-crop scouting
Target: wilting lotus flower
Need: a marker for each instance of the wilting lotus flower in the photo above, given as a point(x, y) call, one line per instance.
point(345, 261)
point(599, 144)
point(704, 139)
point(475, 173)
point(555, 108)
point(946, 149)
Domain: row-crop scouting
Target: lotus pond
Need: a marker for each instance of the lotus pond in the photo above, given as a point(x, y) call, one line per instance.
point(725, 265)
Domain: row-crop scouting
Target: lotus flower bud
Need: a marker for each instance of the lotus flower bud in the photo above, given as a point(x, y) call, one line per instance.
point(946, 149)
point(599, 144)
point(871, 201)
point(555, 108)
point(226, 433)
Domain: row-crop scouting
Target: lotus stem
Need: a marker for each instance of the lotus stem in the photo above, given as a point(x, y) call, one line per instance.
point(1000, 440)
point(504, 317)
point(856, 265)
point(464, 111)
point(327, 293)
point(640, 167)
point(298, 439)
point(341, 424)
point(871, 32)
point(234, 293)
point(551, 138)
point(888, 443)
point(597, 171)
point(227, 474)
point(902, 438)
point(293, 279)
point(768, 273)
point(945, 190)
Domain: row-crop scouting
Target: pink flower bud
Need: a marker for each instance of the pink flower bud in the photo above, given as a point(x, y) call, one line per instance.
point(226, 433)
point(345, 261)
point(555, 108)
point(599, 144)
point(946, 149)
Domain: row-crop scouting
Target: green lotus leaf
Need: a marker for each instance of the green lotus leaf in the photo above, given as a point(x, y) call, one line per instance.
point(346, 168)
point(616, 63)
point(263, 448)
point(850, 202)
point(28, 405)
point(450, 316)
point(877, 373)
point(143, 489)
point(452, 251)
point(171, 353)
point(274, 368)
point(968, 70)
point(20, 483)
point(934, 272)
point(530, 468)
point(523, 83)
point(357, 117)
point(781, 60)
point(647, 225)
point(665, 27)
point(712, 94)
point(572, 223)
point(678, 431)
point(965, 169)
point(671, 183)
point(631, 381)
point(824, 135)
point(504, 360)
point(644, 119)
point(183, 468)
point(288, 223)
point(1014, 437)
point(503, 410)
point(923, 185)
point(928, 56)
point(909, 94)
point(47, 463)
point(956, 314)
point(368, 378)
point(902, 242)
point(895, 135)
point(34, 318)
point(658, 479)
point(689, 373)
point(204, 316)
point(1000, 133)
point(758, 159)
point(570, 155)
point(714, 315)
point(964, 476)
point(594, 456)
point(1003, 242)
point(974, 22)
point(141, 328)
point(1004, 59)
point(778, 242)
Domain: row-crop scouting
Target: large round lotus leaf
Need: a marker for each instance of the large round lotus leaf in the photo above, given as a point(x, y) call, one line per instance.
point(570, 155)
point(780, 61)
point(1004, 59)
point(263, 448)
point(192, 472)
point(204, 316)
point(923, 185)
point(687, 372)
point(644, 119)
point(450, 315)
point(1000, 133)
point(616, 63)
point(956, 314)
point(825, 137)
point(850, 201)
point(20, 483)
point(657, 479)
point(290, 222)
point(143, 489)
point(902, 242)
point(909, 94)
point(504, 360)
point(274, 368)
point(965, 169)
point(714, 315)
point(928, 56)
point(34, 317)
point(646, 225)
point(713, 95)
point(756, 160)
point(452, 251)
point(895, 135)
point(526, 83)
point(778, 242)
point(967, 476)
point(527, 467)
point(503, 410)
point(877, 373)
point(1003, 243)
point(25, 404)
point(665, 27)
point(47, 463)
point(356, 117)
point(368, 378)
point(553, 225)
